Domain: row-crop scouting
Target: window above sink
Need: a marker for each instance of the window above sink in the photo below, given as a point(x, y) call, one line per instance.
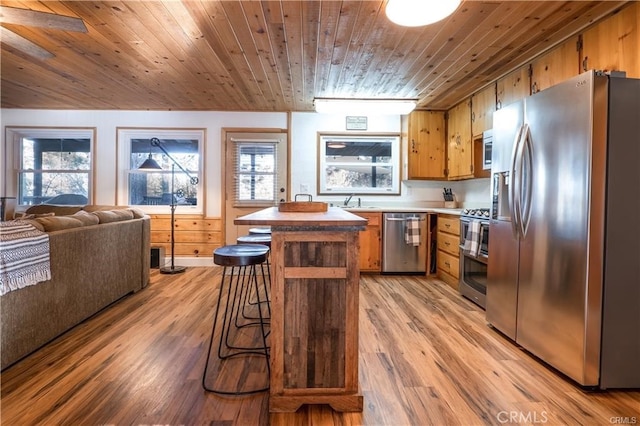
point(359, 164)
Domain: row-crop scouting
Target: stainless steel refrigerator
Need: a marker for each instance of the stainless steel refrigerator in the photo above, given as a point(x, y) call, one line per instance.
point(564, 276)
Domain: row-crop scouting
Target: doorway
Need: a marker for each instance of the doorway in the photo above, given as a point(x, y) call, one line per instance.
point(256, 175)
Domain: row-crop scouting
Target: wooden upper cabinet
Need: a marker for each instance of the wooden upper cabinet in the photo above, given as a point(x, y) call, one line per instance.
point(427, 144)
point(460, 146)
point(513, 87)
point(556, 66)
point(613, 44)
point(483, 104)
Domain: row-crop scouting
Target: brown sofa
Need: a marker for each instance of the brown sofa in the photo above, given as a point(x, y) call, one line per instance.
point(98, 255)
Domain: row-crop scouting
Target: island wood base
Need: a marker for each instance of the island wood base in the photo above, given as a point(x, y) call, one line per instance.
point(314, 318)
point(315, 283)
point(290, 404)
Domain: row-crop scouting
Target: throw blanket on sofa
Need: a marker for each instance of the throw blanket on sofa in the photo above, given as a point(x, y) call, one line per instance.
point(24, 256)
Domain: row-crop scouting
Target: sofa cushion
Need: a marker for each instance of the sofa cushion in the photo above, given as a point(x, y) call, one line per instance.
point(26, 216)
point(33, 223)
point(57, 223)
point(102, 207)
point(86, 218)
point(48, 208)
point(108, 216)
point(137, 213)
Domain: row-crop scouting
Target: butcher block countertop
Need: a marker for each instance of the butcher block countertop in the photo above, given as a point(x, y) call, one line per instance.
point(334, 216)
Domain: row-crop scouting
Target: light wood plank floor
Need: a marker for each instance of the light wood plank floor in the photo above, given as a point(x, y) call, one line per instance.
point(426, 357)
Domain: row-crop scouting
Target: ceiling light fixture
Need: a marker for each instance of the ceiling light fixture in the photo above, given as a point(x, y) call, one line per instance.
point(412, 13)
point(336, 145)
point(364, 106)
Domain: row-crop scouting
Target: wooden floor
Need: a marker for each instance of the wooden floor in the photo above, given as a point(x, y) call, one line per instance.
point(426, 357)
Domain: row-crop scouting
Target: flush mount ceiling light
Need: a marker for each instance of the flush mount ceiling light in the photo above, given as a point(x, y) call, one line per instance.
point(364, 106)
point(336, 145)
point(416, 13)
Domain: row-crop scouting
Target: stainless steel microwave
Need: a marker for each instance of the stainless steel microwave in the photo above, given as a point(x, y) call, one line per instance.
point(487, 143)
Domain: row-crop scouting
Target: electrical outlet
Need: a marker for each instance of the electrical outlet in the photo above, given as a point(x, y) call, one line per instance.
point(304, 188)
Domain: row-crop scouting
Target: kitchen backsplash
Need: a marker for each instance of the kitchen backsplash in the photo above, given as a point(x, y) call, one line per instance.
point(468, 193)
point(473, 193)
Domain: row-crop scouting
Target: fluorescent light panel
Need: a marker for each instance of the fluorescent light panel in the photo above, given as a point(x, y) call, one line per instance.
point(364, 106)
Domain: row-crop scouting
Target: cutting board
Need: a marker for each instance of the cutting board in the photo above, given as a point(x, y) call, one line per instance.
point(303, 206)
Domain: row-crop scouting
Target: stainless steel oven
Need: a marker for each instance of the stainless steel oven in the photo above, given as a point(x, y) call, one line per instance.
point(473, 263)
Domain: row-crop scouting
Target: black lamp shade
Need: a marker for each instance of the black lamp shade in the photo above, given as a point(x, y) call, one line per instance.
point(150, 164)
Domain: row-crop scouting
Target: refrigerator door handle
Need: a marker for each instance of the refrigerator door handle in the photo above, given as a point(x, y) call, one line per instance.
point(513, 193)
point(527, 179)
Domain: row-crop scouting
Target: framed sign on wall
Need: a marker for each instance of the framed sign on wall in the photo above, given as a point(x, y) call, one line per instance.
point(356, 122)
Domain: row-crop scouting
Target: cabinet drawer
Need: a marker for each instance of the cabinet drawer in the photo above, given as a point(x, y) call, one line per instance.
point(374, 219)
point(448, 264)
point(449, 224)
point(449, 243)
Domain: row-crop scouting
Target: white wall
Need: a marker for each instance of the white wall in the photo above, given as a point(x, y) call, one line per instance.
point(304, 134)
point(304, 155)
point(305, 127)
point(106, 123)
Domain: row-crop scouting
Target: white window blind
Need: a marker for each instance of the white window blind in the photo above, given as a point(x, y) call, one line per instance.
point(255, 172)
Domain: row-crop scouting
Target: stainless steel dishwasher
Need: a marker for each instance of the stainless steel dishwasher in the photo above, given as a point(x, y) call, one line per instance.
point(398, 255)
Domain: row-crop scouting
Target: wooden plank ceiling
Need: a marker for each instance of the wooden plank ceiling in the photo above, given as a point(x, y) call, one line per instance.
point(274, 55)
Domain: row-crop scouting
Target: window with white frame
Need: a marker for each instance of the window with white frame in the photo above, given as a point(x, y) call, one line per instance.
point(364, 164)
point(177, 153)
point(255, 172)
point(53, 165)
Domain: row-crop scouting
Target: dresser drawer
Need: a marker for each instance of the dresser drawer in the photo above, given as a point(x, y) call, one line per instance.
point(448, 224)
point(448, 264)
point(449, 243)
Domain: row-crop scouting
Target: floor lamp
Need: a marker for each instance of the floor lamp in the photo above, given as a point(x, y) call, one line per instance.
point(151, 164)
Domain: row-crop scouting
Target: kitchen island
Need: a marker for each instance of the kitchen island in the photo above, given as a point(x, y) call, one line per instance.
point(314, 307)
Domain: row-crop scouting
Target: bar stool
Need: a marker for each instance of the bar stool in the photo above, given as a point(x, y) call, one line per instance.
point(238, 276)
point(264, 239)
point(260, 231)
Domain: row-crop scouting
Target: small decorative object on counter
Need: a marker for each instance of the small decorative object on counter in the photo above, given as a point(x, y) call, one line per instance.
point(303, 206)
point(449, 199)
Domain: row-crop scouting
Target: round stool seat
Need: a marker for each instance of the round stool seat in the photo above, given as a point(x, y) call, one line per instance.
point(240, 255)
point(255, 239)
point(261, 231)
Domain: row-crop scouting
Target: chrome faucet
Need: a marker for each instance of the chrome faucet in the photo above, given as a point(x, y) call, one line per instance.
point(346, 201)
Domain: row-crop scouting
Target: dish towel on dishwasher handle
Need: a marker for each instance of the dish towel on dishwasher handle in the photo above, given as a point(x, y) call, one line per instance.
point(412, 231)
point(472, 239)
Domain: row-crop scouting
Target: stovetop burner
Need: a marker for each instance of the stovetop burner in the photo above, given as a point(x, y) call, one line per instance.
point(478, 213)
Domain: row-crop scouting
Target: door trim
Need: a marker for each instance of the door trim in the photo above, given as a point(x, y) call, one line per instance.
point(223, 169)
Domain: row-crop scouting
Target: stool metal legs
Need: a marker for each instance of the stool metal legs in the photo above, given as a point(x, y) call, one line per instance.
point(239, 283)
point(249, 299)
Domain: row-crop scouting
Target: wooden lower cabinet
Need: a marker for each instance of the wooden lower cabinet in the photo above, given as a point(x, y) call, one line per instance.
point(195, 235)
point(448, 253)
point(370, 243)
